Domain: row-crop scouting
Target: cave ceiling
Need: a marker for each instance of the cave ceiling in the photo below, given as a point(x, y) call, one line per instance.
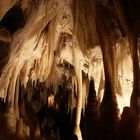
point(46, 40)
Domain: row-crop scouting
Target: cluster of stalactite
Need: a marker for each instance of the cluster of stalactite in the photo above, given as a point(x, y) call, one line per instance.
point(35, 118)
point(44, 95)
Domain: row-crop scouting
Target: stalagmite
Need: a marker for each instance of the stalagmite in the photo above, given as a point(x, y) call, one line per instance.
point(20, 129)
point(127, 126)
point(92, 115)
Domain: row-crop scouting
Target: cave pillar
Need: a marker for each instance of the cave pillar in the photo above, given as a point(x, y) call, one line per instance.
point(108, 107)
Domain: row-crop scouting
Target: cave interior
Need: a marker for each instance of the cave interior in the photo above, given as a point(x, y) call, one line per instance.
point(70, 69)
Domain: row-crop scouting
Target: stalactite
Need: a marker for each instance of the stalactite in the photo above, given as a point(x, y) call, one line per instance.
point(19, 46)
point(78, 72)
point(72, 95)
point(85, 85)
point(24, 73)
point(53, 27)
point(42, 62)
point(16, 106)
point(51, 51)
point(5, 89)
point(12, 85)
point(125, 75)
point(101, 88)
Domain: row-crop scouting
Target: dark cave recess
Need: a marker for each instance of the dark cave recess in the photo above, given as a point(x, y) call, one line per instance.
point(13, 19)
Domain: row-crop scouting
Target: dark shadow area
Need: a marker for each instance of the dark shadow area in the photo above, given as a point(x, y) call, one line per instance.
point(13, 19)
